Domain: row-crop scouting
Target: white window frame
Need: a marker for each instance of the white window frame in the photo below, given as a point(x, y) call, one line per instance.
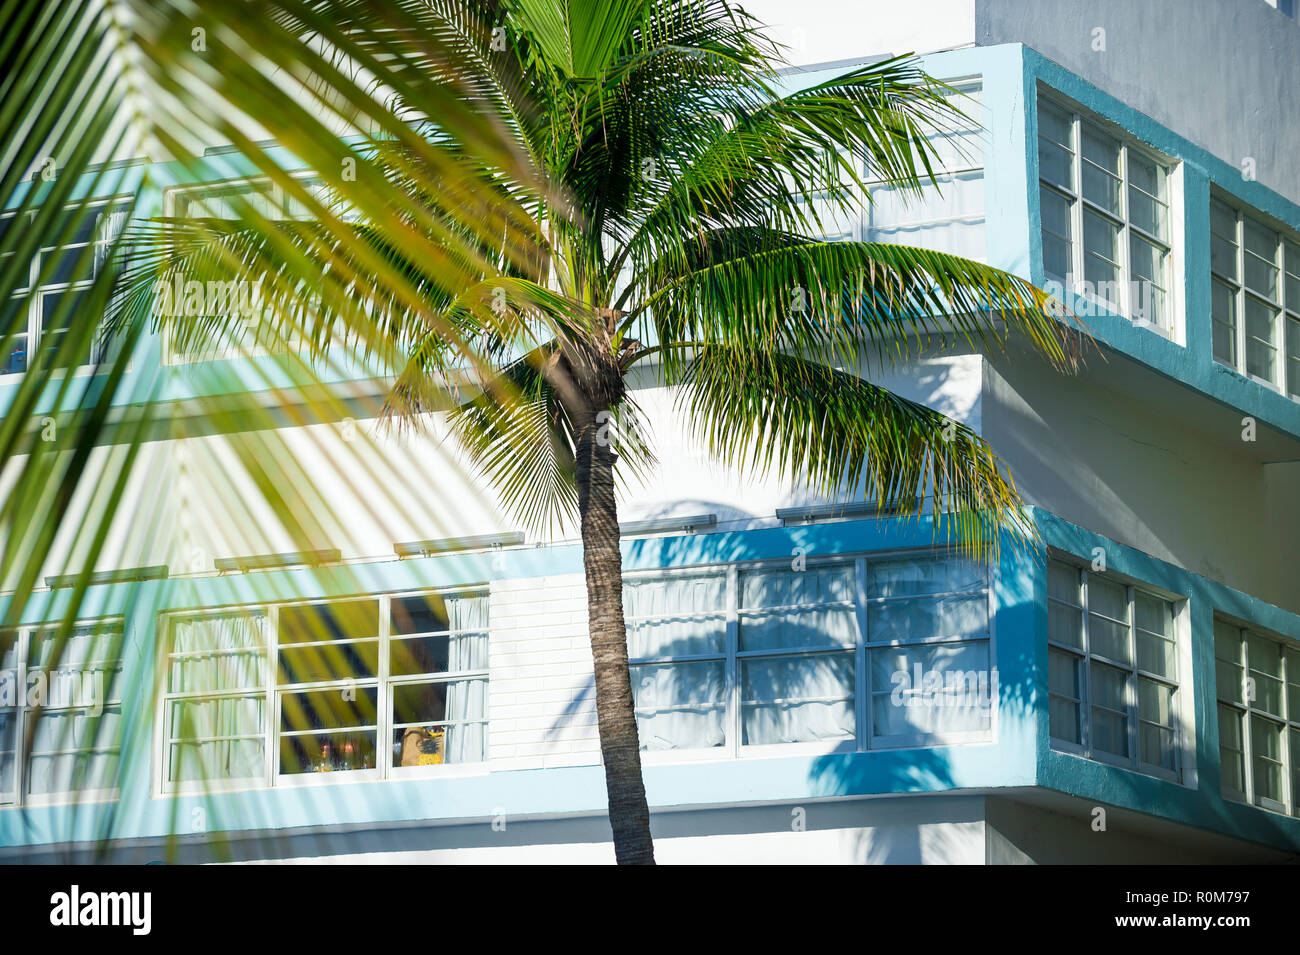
point(864, 738)
point(279, 197)
point(1287, 379)
point(1078, 119)
point(1290, 722)
point(35, 291)
point(22, 654)
point(1132, 716)
point(272, 693)
point(969, 98)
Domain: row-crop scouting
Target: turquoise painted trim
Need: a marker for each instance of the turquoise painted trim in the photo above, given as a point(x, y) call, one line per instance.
point(1202, 806)
point(1019, 755)
point(1191, 364)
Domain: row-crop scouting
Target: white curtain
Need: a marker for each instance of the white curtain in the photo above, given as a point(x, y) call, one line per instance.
point(675, 616)
point(220, 653)
point(680, 705)
point(931, 688)
point(811, 698)
point(467, 619)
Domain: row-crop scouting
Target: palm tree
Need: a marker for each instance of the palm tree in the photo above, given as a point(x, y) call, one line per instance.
point(674, 193)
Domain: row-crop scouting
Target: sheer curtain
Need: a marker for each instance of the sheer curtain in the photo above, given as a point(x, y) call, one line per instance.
point(219, 654)
point(467, 619)
point(678, 705)
point(77, 737)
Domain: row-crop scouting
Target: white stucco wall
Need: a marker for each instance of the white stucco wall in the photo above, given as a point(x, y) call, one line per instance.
point(1178, 486)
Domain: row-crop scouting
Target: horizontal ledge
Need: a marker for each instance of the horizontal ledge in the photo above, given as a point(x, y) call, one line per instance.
point(293, 559)
point(152, 572)
point(824, 512)
point(688, 523)
point(449, 545)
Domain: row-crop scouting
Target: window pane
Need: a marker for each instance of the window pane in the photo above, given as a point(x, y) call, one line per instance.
point(1108, 686)
point(1055, 212)
point(1065, 689)
point(1063, 583)
point(1146, 174)
point(1108, 598)
point(819, 624)
point(215, 759)
point(1109, 733)
point(224, 652)
point(1223, 257)
point(1155, 634)
point(1101, 258)
point(336, 620)
point(327, 752)
point(1293, 354)
point(1147, 261)
point(675, 616)
point(1223, 310)
point(928, 689)
point(1156, 655)
point(439, 722)
point(1154, 614)
point(1053, 123)
point(1157, 746)
point(1266, 764)
point(329, 662)
point(1265, 655)
point(1227, 642)
point(1261, 277)
point(1261, 344)
point(350, 709)
point(1228, 678)
point(1155, 702)
point(1054, 164)
point(793, 699)
point(1265, 688)
point(1292, 290)
point(908, 620)
point(925, 575)
point(1293, 686)
point(1100, 148)
point(1260, 245)
point(1057, 257)
point(1148, 214)
point(1064, 624)
point(1295, 772)
point(1232, 760)
point(680, 706)
point(220, 716)
point(1109, 639)
point(1223, 220)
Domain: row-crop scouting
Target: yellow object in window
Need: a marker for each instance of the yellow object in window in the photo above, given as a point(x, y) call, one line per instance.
point(434, 742)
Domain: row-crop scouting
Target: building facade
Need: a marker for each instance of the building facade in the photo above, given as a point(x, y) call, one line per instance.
point(814, 682)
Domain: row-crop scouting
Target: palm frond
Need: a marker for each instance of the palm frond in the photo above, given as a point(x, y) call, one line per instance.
point(844, 435)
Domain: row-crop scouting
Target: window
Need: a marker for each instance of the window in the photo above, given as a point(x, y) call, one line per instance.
point(263, 694)
point(65, 695)
point(949, 213)
point(231, 201)
point(1104, 202)
point(59, 278)
point(1255, 298)
point(1112, 663)
point(858, 653)
point(1258, 685)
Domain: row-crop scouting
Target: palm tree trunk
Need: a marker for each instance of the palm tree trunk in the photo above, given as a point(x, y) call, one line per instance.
point(629, 814)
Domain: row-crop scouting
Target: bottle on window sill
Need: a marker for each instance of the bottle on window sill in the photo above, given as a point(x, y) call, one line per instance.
point(326, 763)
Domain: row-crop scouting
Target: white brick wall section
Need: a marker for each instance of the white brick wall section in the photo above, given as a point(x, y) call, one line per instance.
point(541, 692)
